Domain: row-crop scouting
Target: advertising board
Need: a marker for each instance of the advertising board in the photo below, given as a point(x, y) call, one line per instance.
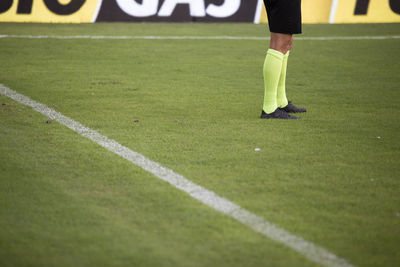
point(367, 11)
point(86, 11)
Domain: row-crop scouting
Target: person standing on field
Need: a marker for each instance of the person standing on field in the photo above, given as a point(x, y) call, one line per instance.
point(284, 19)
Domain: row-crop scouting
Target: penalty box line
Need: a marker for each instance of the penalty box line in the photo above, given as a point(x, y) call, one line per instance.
point(308, 249)
point(156, 37)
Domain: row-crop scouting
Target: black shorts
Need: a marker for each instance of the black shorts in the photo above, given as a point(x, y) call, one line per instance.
point(284, 16)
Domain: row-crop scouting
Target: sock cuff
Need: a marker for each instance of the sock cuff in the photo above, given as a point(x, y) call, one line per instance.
point(275, 53)
point(287, 54)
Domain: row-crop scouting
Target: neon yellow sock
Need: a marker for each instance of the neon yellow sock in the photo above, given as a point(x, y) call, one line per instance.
point(281, 95)
point(272, 72)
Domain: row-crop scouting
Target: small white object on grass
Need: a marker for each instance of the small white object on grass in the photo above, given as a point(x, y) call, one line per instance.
point(378, 137)
point(257, 149)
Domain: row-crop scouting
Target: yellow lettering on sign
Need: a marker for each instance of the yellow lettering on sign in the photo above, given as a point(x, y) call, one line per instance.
point(376, 11)
point(39, 11)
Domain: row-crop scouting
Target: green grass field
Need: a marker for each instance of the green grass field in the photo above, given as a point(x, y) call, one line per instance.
point(331, 178)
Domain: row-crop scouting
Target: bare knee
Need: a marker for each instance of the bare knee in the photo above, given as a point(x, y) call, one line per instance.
point(281, 42)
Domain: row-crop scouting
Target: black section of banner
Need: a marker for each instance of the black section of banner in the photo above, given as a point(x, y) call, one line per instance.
point(395, 6)
point(110, 11)
point(361, 7)
point(59, 9)
point(5, 5)
point(24, 6)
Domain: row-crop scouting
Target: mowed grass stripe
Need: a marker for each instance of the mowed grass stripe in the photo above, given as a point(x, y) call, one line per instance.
point(159, 37)
point(308, 249)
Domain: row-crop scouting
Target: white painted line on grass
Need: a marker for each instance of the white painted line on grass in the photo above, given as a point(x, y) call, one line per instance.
point(259, 224)
point(348, 38)
point(145, 37)
point(157, 37)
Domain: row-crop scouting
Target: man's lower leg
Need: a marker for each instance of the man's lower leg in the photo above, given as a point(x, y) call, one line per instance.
point(272, 72)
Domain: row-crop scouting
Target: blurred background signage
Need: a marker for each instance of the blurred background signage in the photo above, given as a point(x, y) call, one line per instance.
point(78, 11)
